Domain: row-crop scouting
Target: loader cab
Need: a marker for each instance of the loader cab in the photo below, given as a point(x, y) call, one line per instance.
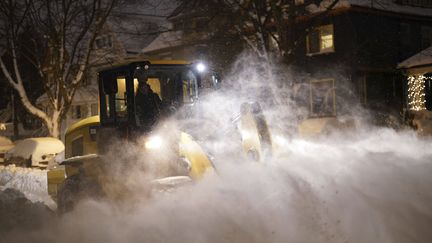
point(176, 85)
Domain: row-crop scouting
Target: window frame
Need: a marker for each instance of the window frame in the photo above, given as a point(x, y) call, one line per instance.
point(320, 34)
point(313, 113)
point(107, 41)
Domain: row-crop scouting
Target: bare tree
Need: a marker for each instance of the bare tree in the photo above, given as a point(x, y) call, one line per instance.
point(63, 34)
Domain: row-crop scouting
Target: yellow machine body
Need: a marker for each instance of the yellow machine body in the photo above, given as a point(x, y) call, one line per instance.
point(92, 165)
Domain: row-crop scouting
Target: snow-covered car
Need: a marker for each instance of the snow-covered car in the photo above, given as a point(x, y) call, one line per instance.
point(5, 145)
point(34, 152)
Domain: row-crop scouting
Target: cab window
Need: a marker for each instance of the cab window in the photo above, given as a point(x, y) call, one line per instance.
point(120, 98)
point(190, 87)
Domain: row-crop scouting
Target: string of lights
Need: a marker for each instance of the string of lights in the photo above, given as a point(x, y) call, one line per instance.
point(416, 92)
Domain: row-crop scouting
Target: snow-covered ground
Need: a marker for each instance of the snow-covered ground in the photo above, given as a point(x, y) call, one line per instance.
point(371, 186)
point(31, 182)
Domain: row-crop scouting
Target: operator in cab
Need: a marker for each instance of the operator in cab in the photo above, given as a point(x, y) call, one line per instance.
point(148, 105)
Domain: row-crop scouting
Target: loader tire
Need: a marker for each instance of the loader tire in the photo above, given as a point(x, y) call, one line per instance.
point(74, 189)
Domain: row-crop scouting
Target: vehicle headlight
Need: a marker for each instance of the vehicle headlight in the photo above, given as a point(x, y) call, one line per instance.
point(200, 67)
point(153, 142)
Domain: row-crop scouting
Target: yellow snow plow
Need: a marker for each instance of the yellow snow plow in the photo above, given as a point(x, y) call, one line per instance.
point(171, 90)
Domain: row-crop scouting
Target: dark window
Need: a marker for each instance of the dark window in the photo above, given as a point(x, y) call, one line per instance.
point(313, 41)
point(322, 98)
point(104, 41)
point(77, 147)
point(94, 109)
point(201, 24)
point(416, 3)
point(76, 112)
point(428, 91)
point(405, 34)
point(426, 36)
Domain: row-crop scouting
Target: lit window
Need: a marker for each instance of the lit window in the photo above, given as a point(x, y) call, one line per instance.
point(320, 40)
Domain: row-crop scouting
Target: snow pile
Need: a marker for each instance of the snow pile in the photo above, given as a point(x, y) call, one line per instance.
point(17, 212)
point(31, 182)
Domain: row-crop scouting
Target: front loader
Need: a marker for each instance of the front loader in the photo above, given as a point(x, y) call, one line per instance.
point(180, 158)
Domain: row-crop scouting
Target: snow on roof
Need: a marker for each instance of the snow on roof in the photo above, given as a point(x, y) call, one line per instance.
point(174, 39)
point(36, 148)
point(156, 8)
point(385, 5)
point(135, 32)
point(422, 58)
point(165, 40)
point(136, 24)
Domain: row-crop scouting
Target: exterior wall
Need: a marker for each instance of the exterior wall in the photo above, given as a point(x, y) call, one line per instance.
point(367, 49)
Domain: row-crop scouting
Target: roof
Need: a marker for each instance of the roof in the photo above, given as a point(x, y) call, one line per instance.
point(420, 59)
point(173, 39)
point(135, 32)
point(189, 7)
point(165, 40)
point(137, 23)
point(384, 5)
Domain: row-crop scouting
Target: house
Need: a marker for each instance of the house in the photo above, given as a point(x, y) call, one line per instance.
point(418, 70)
point(357, 47)
point(350, 53)
point(196, 35)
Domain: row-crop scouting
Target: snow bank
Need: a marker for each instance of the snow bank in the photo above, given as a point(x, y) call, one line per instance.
point(31, 182)
point(17, 212)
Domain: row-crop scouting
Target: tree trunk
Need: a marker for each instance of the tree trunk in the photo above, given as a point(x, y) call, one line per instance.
point(54, 125)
